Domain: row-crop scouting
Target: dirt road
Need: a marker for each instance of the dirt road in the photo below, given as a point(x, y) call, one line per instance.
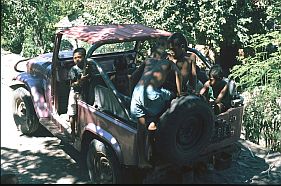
point(45, 159)
point(38, 159)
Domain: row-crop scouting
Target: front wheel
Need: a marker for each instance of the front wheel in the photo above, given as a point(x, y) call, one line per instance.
point(24, 113)
point(102, 164)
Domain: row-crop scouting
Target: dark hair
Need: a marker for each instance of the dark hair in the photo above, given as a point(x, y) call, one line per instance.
point(157, 49)
point(216, 72)
point(82, 51)
point(120, 63)
point(178, 39)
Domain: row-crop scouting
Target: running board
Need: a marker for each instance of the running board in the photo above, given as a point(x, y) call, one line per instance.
point(62, 132)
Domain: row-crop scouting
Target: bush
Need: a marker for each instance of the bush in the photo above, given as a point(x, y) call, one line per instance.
point(260, 75)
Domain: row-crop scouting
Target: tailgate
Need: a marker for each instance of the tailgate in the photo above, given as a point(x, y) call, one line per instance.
point(227, 129)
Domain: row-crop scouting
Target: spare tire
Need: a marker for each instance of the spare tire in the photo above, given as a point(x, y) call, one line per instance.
point(184, 130)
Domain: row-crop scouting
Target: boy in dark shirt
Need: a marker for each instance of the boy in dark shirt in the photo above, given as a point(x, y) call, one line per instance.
point(77, 80)
point(218, 87)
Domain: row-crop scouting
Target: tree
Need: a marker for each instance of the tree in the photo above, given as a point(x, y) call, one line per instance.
point(260, 75)
point(28, 26)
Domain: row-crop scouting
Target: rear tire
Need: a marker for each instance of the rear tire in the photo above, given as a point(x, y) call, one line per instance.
point(184, 130)
point(24, 113)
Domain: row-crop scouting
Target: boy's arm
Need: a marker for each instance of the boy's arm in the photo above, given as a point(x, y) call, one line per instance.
point(178, 78)
point(221, 94)
point(205, 87)
point(192, 61)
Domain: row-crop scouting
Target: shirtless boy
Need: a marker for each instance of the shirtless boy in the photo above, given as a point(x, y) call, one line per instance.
point(186, 63)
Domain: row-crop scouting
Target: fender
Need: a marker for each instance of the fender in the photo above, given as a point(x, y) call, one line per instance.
point(36, 89)
point(92, 128)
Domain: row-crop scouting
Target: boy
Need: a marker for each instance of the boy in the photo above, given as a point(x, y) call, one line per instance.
point(77, 81)
point(219, 89)
point(121, 79)
point(186, 63)
point(149, 98)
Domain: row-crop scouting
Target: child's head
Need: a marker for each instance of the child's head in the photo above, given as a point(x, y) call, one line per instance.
point(215, 74)
point(177, 43)
point(79, 55)
point(120, 64)
point(158, 51)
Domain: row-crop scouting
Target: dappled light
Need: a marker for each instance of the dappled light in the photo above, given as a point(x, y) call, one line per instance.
point(122, 32)
point(42, 167)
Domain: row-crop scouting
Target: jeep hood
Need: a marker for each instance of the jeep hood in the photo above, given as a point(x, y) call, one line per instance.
point(42, 63)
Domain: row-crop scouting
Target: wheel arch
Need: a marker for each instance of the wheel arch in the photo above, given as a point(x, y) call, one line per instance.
point(35, 87)
point(88, 136)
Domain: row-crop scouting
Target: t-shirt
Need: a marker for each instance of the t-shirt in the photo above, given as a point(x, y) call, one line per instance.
point(226, 100)
point(74, 74)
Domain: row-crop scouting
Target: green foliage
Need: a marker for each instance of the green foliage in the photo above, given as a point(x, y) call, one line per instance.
point(260, 75)
point(264, 67)
point(28, 26)
point(203, 22)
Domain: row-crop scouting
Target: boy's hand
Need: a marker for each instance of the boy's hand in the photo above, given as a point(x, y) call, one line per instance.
point(83, 78)
point(152, 126)
point(80, 81)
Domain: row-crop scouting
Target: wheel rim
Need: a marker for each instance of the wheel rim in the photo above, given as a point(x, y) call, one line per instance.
point(100, 169)
point(21, 111)
point(189, 134)
point(26, 123)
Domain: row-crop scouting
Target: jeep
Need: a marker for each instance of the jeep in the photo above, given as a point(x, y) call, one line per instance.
point(189, 132)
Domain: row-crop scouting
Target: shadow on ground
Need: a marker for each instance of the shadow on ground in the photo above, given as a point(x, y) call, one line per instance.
point(51, 166)
point(59, 163)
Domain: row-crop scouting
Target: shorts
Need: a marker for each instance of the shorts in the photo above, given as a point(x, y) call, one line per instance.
point(148, 101)
point(72, 102)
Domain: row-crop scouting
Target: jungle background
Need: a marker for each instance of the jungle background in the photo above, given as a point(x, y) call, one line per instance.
point(244, 36)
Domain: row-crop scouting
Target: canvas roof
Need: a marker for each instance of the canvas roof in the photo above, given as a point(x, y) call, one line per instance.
point(113, 33)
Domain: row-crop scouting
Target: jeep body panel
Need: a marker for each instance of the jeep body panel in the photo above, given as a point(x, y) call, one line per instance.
point(36, 89)
point(118, 134)
point(227, 129)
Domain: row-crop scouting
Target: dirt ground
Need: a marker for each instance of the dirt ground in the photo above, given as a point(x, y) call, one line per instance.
point(251, 165)
point(44, 159)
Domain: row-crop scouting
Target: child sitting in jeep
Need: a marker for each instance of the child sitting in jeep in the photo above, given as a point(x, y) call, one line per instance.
point(216, 90)
point(149, 98)
point(121, 79)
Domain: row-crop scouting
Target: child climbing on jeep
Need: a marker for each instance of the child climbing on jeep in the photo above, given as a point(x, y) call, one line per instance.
point(216, 90)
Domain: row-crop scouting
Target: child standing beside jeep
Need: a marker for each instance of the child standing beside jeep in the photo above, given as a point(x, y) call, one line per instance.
point(77, 80)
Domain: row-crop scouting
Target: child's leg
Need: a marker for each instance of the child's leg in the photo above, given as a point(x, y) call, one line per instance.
point(72, 120)
point(141, 140)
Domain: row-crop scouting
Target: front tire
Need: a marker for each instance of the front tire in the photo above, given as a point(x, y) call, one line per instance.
point(24, 113)
point(102, 164)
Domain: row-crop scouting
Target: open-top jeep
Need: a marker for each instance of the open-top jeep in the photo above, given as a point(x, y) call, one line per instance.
point(189, 132)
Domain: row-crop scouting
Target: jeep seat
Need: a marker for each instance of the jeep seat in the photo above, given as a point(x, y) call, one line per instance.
point(106, 101)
